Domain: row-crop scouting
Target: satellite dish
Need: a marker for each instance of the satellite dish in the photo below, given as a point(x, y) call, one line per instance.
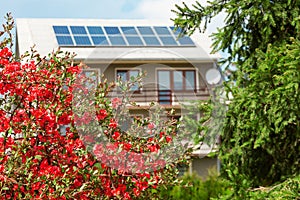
point(213, 76)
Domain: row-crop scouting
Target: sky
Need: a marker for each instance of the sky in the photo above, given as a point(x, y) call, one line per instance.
point(96, 9)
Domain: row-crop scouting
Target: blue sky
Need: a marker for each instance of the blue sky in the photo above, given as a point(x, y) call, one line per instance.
point(70, 8)
point(94, 9)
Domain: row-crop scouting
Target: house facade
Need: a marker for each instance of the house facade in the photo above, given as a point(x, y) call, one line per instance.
point(177, 69)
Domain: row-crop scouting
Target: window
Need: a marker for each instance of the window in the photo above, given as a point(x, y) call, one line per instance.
point(177, 80)
point(170, 81)
point(127, 75)
point(91, 77)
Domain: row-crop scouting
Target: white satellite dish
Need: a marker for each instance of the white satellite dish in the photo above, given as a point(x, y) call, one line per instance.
point(213, 76)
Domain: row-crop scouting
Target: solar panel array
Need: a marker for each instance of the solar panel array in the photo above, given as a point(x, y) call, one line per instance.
point(120, 36)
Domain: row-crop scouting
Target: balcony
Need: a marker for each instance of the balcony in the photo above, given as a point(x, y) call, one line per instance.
point(165, 97)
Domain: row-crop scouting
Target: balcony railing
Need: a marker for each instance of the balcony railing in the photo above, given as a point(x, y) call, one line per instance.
point(164, 97)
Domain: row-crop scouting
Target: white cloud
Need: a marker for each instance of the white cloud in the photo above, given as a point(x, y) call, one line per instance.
point(161, 10)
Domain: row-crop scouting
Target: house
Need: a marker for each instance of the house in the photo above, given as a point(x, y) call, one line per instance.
point(178, 69)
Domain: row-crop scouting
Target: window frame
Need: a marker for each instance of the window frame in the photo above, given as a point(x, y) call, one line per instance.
point(184, 84)
point(96, 71)
point(127, 70)
point(168, 93)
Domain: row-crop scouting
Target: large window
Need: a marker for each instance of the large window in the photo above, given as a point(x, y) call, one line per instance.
point(127, 76)
point(177, 80)
point(170, 81)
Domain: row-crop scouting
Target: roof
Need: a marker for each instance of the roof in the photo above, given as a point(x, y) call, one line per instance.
point(40, 33)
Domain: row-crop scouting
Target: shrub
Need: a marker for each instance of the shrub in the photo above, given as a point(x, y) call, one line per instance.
point(194, 187)
point(288, 189)
point(85, 160)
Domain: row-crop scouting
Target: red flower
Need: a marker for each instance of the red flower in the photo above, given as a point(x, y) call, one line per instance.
point(77, 183)
point(116, 135)
point(64, 119)
point(119, 190)
point(151, 125)
point(4, 126)
point(35, 186)
point(113, 123)
point(5, 53)
point(10, 141)
point(153, 147)
point(1, 168)
point(102, 114)
point(127, 146)
point(74, 69)
point(127, 196)
point(168, 139)
point(136, 192)
point(116, 102)
point(4, 61)
point(161, 134)
point(142, 185)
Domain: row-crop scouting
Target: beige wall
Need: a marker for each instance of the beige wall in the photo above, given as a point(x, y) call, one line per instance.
point(149, 82)
point(202, 165)
point(109, 70)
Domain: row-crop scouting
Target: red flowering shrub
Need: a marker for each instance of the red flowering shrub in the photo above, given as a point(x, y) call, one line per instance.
point(54, 147)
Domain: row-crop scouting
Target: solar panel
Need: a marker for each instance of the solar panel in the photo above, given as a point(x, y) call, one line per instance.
point(140, 36)
point(65, 40)
point(117, 40)
point(145, 30)
point(78, 30)
point(186, 41)
point(162, 30)
point(129, 30)
point(100, 40)
point(61, 30)
point(95, 30)
point(175, 30)
point(151, 41)
point(168, 41)
point(112, 30)
point(134, 40)
point(82, 40)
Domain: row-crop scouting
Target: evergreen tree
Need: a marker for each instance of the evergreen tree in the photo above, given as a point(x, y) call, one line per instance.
point(261, 134)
